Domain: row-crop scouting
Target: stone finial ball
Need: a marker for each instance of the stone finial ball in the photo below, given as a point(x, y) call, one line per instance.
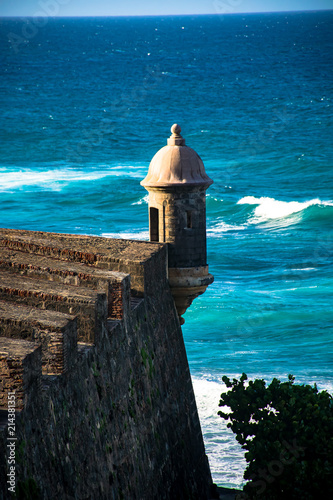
point(175, 129)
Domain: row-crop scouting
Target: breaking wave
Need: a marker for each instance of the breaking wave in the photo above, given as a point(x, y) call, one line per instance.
point(269, 208)
point(55, 179)
point(226, 458)
point(142, 235)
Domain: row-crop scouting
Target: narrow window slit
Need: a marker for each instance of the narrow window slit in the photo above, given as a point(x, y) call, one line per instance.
point(154, 230)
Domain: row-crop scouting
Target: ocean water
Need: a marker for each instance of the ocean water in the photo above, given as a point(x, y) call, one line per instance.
point(87, 102)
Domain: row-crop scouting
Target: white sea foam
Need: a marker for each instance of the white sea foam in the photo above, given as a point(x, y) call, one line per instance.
point(168, 73)
point(209, 196)
point(55, 179)
point(145, 199)
point(226, 458)
point(304, 269)
point(269, 208)
point(223, 227)
point(142, 235)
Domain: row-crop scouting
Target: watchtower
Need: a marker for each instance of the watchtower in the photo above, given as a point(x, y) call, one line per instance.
point(177, 183)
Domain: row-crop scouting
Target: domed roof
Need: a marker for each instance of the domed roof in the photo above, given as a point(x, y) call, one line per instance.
point(176, 165)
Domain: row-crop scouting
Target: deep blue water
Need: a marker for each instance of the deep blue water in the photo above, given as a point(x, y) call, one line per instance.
point(87, 102)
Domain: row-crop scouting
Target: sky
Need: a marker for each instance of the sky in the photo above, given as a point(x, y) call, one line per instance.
point(152, 7)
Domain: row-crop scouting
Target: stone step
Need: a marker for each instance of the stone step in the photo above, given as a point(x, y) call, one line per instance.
point(70, 273)
point(90, 306)
point(55, 331)
point(91, 250)
point(20, 373)
point(129, 256)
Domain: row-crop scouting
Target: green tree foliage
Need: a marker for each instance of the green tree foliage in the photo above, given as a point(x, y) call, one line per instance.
point(287, 432)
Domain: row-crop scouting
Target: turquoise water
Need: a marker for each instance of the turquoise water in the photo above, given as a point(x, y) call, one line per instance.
point(86, 103)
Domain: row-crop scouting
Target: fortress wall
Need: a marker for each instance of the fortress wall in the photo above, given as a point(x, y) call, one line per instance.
point(121, 422)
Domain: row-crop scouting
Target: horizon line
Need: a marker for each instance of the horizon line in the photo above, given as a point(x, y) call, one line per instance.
point(168, 15)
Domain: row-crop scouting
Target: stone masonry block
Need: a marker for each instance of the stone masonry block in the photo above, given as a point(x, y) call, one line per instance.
point(84, 302)
point(20, 371)
point(66, 273)
point(56, 332)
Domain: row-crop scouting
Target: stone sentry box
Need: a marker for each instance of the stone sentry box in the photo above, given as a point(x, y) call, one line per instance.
point(177, 184)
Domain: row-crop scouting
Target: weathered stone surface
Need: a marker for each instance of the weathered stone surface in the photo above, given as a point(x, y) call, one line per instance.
point(68, 273)
point(74, 300)
point(110, 254)
point(56, 332)
point(121, 422)
point(20, 371)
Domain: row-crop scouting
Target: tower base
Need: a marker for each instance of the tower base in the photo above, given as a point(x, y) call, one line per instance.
point(186, 284)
